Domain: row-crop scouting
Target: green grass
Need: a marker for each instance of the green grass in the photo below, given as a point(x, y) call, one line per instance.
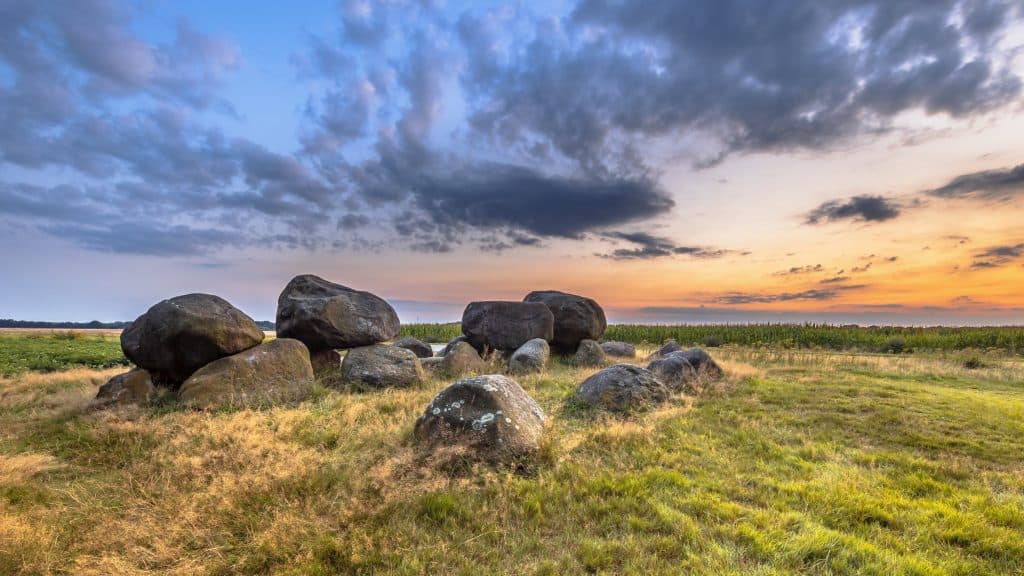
point(51, 351)
point(801, 462)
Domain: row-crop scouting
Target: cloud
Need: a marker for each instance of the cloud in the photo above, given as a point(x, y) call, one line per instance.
point(656, 247)
point(737, 298)
point(799, 270)
point(997, 256)
point(857, 208)
point(835, 280)
point(985, 185)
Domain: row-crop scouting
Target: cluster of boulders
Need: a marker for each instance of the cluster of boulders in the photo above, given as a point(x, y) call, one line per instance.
point(209, 354)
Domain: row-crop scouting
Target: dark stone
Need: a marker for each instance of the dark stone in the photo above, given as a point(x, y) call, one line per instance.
point(328, 316)
point(488, 417)
point(325, 362)
point(703, 363)
point(669, 347)
point(675, 371)
point(530, 358)
point(133, 388)
point(506, 325)
point(273, 372)
point(463, 359)
point(622, 387)
point(178, 336)
point(576, 318)
point(447, 348)
point(588, 354)
point(619, 349)
point(419, 348)
point(381, 366)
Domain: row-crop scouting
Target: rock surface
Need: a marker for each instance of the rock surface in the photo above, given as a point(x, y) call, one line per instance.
point(463, 359)
point(675, 371)
point(588, 354)
point(329, 316)
point(276, 371)
point(703, 363)
point(506, 325)
point(325, 361)
point(381, 366)
point(622, 387)
point(576, 318)
point(418, 347)
point(668, 348)
point(133, 388)
point(491, 417)
point(451, 343)
point(180, 335)
point(530, 358)
point(619, 349)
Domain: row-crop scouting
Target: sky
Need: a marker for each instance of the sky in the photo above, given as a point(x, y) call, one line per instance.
point(844, 161)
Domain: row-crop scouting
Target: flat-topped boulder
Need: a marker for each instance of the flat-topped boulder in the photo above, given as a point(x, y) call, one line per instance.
point(273, 372)
point(328, 316)
point(530, 358)
point(420, 348)
point(133, 388)
point(180, 335)
point(381, 366)
point(506, 325)
point(489, 417)
point(576, 318)
point(622, 387)
point(619, 349)
point(588, 354)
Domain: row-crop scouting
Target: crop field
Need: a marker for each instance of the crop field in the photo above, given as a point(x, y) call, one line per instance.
point(798, 462)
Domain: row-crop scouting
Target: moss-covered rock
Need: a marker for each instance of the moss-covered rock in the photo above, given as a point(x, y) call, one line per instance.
point(277, 371)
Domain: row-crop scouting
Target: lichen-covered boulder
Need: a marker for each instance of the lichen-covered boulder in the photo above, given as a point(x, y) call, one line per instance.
point(506, 325)
point(419, 348)
point(675, 371)
point(273, 372)
point(488, 417)
point(668, 348)
point(180, 335)
point(530, 358)
point(381, 366)
point(622, 387)
point(619, 349)
point(588, 354)
point(576, 318)
point(703, 363)
point(329, 316)
point(133, 388)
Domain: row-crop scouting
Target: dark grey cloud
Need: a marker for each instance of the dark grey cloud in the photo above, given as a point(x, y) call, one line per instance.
point(985, 185)
point(997, 256)
point(651, 246)
point(736, 298)
point(799, 270)
point(857, 208)
point(835, 280)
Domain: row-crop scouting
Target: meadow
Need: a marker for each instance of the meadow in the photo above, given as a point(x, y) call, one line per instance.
point(799, 462)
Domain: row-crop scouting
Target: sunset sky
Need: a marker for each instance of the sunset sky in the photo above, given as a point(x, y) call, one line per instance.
point(849, 161)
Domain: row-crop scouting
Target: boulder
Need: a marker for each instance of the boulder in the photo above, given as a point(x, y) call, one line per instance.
point(576, 318)
point(530, 358)
point(178, 336)
point(134, 387)
point(489, 417)
point(675, 371)
point(325, 362)
point(328, 316)
point(588, 354)
point(703, 363)
point(451, 343)
point(275, 371)
point(506, 325)
point(381, 366)
point(463, 359)
point(668, 348)
point(619, 349)
point(419, 348)
point(622, 387)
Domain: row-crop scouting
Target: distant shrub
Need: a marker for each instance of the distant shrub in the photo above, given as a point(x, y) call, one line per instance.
point(973, 362)
point(895, 345)
point(67, 335)
point(712, 341)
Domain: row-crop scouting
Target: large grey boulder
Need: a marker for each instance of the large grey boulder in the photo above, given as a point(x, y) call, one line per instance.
point(675, 371)
point(622, 387)
point(381, 366)
point(273, 372)
point(619, 349)
point(530, 358)
point(329, 316)
point(506, 325)
point(133, 388)
point(668, 348)
point(419, 348)
point(180, 335)
point(703, 363)
point(576, 318)
point(588, 354)
point(489, 417)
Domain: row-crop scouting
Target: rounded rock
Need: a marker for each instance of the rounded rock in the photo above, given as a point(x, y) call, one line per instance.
point(530, 358)
point(576, 318)
point(622, 387)
point(381, 366)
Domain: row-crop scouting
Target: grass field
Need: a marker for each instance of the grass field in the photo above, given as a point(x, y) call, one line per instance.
point(47, 351)
point(800, 462)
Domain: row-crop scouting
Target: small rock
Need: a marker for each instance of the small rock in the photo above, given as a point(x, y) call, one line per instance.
point(490, 417)
point(622, 387)
point(381, 366)
point(675, 371)
point(703, 363)
point(588, 355)
point(451, 343)
point(619, 349)
point(463, 359)
point(669, 347)
point(134, 387)
point(506, 325)
point(530, 358)
point(419, 348)
point(576, 318)
point(276, 371)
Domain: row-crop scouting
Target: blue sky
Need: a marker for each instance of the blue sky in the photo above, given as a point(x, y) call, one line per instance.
point(849, 160)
